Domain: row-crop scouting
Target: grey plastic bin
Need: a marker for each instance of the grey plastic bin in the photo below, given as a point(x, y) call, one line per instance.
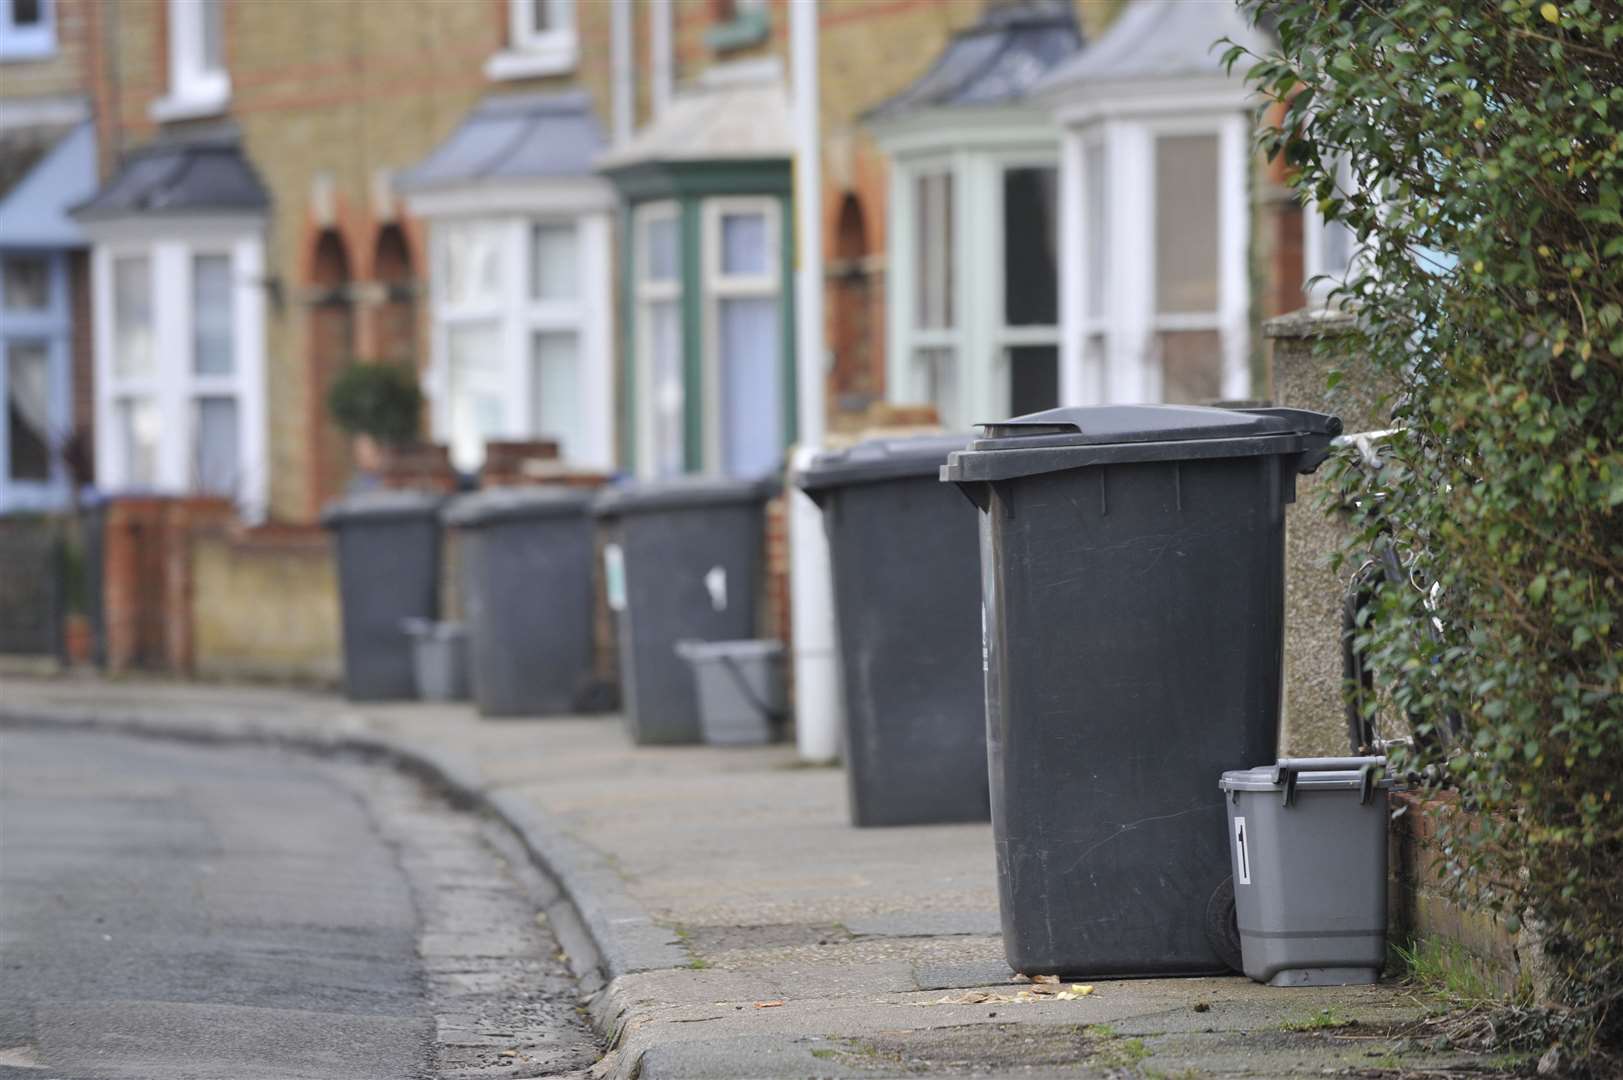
point(1132, 570)
point(440, 659)
point(1308, 839)
point(683, 561)
point(527, 597)
point(739, 689)
point(388, 549)
point(905, 553)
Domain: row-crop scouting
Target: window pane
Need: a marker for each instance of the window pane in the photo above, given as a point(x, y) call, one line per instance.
point(28, 410)
point(751, 417)
point(1186, 223)
point(27, 284)
point(667, 396)
point(1094, 381)
point(138, 423)
point(133, 355)
point(211, 314)
point(473, 266)
point(934, 250)
point(1030, 274)
point(555, 377)
point(26, 13)
point(475, 392)
point(1095, 224)
point(935, 376)
point(743, 244)
point(1033, 378)
point(660, 242)
point(553, 273)
point(542, 18)
point(211, 54)
point(214, 445)
point(1191, 366)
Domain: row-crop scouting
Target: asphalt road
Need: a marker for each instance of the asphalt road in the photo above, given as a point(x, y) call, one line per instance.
point(180, 911)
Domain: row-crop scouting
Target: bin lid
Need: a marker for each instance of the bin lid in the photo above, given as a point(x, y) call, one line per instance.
point(1071, 437)
point(524, 503)
point(682, 493)
point(873, 460)
point(381, 505)
point(1262, 778)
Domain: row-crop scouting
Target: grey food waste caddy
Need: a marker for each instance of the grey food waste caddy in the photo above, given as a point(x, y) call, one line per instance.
point(1307, 837)
point(527, 597)
point(1132, 589)
point(439, 658)
point(739, 688)
point(905, 553)
point(388, 549)
point(683, 561)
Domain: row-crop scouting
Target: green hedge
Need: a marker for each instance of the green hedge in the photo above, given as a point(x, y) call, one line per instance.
point(1484, 140)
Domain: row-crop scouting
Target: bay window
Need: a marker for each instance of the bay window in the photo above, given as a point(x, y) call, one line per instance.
point(34, 349)
point(519, 309)
point(179, 358)
point(974, 257)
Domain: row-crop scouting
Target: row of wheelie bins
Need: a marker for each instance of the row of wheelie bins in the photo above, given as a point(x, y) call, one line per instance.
point(1070, 625)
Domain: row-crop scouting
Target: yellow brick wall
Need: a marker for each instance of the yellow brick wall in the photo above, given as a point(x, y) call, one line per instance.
point(265, 608)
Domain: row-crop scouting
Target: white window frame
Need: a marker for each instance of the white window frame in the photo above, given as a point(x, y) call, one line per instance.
point(531, 52)
point(172, 246)
point(1315, 254)
point(719, 286)
point(195, 90)
point(28, 42)
point(646, 293)
point(980, 336)
point(517, 316)
point(1131, 322)
point(51, 326)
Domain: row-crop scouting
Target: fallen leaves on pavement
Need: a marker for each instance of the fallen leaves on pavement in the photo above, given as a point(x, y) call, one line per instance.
point(768, 1004)
point(1040, 991)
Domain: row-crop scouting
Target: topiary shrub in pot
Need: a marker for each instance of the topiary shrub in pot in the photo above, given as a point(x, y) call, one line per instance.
point(379, 405)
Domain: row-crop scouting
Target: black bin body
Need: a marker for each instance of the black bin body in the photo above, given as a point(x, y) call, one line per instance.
point(905, 554)
point(527, 597)
point(684, 559)
point(388, 549)
point(1132, 565)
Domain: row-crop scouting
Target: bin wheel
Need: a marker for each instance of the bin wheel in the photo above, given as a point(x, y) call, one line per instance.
point(1223, 925)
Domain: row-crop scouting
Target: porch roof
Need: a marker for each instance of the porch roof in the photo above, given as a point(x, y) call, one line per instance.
point(1154, 40)
point(203, 173)
point(48, 178)
point(993, 62)
point(512, 137)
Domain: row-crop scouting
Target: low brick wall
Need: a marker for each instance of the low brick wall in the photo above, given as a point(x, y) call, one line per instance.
point(1420, 912)
point(265, 605)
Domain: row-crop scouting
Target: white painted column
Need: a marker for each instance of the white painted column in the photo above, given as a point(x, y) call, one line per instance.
point(253, 440)
point(1073, 261)
point(1233, 238)
point(1130, 159)
point(818, 712)
point(596, 354)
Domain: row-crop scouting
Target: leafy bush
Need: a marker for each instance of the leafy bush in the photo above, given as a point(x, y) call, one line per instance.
point(377, 399)
point(1484, 139)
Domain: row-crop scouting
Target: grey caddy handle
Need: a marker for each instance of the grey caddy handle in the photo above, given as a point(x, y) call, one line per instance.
point(1286, 770)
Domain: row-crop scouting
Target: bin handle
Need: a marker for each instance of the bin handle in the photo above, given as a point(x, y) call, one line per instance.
point(1286, 770)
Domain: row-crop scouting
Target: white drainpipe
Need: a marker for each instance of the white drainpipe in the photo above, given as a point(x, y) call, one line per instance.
point(818, 713)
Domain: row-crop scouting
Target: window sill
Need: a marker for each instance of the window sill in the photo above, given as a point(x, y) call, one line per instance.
point(15, 47)
point(557, 59)
point(749, 28)
point(193, 105)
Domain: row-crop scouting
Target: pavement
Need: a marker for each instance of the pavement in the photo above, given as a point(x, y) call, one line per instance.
point(186, 911)
point(726, 921)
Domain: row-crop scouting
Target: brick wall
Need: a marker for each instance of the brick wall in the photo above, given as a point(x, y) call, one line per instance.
point(148, 583)
point(65, 73)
